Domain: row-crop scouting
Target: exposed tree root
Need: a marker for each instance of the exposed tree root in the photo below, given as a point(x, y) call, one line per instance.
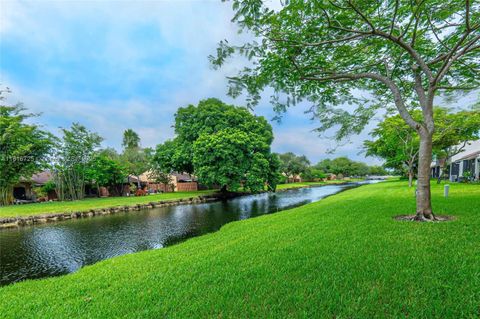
point(422, 218)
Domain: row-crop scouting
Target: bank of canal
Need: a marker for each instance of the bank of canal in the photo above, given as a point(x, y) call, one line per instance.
point(51, 249)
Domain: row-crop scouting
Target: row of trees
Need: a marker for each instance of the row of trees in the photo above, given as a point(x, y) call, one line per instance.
point(75, 159)
point(399, 145)
point(223, 145)
point(293, 165)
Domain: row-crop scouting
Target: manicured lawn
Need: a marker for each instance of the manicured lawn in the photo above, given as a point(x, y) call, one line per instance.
point(91, 203)
point(342, 257)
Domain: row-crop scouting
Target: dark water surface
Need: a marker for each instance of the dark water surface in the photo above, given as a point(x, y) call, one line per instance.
point(64, 247)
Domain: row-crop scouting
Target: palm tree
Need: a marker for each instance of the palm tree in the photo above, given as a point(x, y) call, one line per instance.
point(131, 139)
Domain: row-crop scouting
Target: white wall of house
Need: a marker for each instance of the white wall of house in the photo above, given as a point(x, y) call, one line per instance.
point(471, 147)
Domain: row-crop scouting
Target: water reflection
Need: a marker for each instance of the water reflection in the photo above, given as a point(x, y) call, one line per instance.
point(60, 248)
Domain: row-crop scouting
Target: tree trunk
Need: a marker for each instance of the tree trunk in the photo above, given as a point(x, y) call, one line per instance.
point(410, 177)
point(424, 202)
point(223, 189)
point(6, 196)
point(440, 174)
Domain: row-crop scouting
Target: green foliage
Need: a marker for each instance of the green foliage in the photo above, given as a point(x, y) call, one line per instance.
point(325, 51)
point(105, 171)
point(313, 174)
point(395, 142)
point(343, 166)
point(24, 149)
point(136, 160)
point(293, 165)
point(223, 145)
point(74, 154)
point(398, 144)
point(49, 187)
point(130, 139)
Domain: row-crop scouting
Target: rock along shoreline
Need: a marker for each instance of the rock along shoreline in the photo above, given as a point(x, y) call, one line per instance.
point(11, 222)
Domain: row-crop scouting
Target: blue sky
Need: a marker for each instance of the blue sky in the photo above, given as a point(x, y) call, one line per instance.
point(113, 65)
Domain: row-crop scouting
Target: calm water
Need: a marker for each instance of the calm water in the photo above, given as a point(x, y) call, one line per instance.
point(64, 247)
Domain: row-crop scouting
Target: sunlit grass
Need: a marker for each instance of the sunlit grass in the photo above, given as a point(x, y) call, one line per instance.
point(91, 203)
point(342, 257)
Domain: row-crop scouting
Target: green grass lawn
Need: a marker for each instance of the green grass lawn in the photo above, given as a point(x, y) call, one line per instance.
point(342, 257)
point(91, 203)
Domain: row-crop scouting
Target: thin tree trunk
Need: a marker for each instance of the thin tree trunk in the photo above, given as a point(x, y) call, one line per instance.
point(410, 177)
point(440, 174)
point(424, 202)
point(6, 196)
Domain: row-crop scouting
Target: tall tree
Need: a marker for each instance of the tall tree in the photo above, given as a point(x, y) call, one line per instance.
point(397, 143)
point(130, 139)
point(24, 149)
point(293, 165)
point(452, 134)
point(403, 53)
point(74, 154)
point(223, 145)
point(106, 171)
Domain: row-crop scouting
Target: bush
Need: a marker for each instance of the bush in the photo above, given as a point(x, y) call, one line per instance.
point(140, 192)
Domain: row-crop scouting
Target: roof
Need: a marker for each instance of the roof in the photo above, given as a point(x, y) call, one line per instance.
point(470, 156)
point(183, 177)
point(40, 178)
point(471, 148)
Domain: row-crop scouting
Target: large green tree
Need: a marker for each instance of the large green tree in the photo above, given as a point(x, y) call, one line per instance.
point(344, 166)
point(24, 149)
point(399, 145)
point(293, 165)
point(106, 170)
point(453, 132)
point(223, 145)
point(396, 143)
point(402, 53)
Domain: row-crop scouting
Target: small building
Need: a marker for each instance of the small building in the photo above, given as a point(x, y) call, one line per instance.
point(179, 182)
point(465, 165)
point(23, 191)
point(292, 178)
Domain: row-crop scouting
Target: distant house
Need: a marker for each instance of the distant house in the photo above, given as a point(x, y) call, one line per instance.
point(23, 191)
point(292, 178)
point(179, 182)
point(463, 165)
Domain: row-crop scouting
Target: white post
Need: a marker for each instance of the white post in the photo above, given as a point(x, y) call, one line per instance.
point(460, 169)
point(477, 168)
point(446, 188)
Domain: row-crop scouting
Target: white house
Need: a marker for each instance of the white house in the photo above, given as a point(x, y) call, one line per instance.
point(465, 164)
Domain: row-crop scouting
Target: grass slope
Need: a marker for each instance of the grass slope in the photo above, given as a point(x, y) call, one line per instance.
point(342, 257)
point(91, 203)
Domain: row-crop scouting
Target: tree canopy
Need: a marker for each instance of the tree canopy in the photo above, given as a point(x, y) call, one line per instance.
point(293, 165)
point(130, 139)
point(350, 58)
point(24, 149)
point(344, 166)
point(399, 145)
point(74, 154)
point(222, 144)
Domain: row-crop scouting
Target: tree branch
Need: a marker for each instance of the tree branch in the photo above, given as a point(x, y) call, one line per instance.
point(397, 96)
